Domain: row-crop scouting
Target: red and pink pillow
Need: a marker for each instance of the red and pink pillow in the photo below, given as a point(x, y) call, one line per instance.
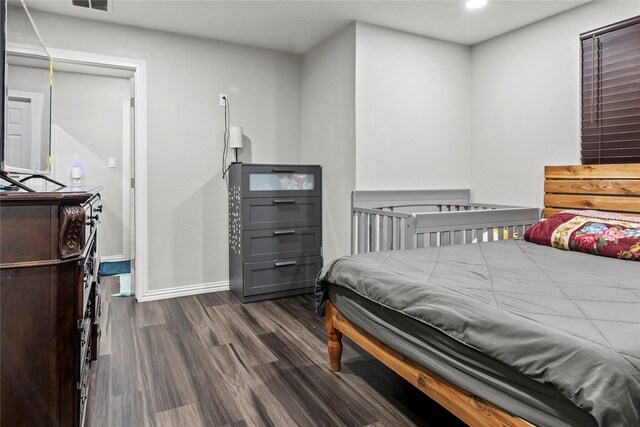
point(599, 233)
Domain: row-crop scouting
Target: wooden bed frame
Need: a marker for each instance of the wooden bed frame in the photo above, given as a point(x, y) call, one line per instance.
point(614, 188)
point(603, 187)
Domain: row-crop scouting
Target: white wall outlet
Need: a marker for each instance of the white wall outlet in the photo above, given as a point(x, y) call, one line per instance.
point(112, 162)
point(223, 99)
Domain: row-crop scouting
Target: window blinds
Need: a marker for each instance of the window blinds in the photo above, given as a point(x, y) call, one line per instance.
point(611, 94)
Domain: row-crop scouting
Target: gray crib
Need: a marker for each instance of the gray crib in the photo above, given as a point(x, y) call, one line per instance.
point(390, 220)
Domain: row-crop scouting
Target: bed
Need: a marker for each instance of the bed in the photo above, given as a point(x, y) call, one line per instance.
point(391, 220)
point(505, 333)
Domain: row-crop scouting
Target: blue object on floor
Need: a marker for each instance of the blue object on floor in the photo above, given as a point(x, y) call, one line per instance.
point(125, 286)
point(113, 268)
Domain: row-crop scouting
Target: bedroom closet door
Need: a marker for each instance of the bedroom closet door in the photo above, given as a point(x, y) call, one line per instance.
point(19, 131)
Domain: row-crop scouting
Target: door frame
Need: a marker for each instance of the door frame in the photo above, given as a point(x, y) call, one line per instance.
point(139, 68)
point(126, 184)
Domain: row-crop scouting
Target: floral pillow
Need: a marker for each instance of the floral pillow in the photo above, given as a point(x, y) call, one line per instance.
point(594, 232)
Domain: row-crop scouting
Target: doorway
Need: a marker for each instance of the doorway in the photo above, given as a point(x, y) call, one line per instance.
point(91, 130)
point(133, 158)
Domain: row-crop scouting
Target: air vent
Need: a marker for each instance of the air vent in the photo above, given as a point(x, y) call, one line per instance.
point(92, 4)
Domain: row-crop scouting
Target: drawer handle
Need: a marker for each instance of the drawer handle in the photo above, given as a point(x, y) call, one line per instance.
point(284, 263)
point(281, 232)
point(281, 201)
point(277, 170)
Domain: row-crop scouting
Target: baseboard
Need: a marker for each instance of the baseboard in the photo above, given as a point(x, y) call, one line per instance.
point(183, 291)
point(113, 258)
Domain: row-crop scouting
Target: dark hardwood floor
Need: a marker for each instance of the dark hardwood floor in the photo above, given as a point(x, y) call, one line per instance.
point(208, 360)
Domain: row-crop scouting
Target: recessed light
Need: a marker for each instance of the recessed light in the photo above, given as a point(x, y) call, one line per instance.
point(475, 4)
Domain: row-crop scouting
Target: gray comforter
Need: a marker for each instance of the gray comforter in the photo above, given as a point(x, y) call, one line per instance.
point(565, 318)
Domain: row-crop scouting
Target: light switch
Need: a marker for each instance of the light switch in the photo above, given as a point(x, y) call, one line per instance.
point(112, 163)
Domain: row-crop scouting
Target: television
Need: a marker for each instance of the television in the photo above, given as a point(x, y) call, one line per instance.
point(26, 115)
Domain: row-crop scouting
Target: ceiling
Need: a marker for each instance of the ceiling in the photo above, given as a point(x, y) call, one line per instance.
point(296, 26)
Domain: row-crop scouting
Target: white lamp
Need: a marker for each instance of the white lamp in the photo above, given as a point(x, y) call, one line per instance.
point(76, 175)
point(235, 139)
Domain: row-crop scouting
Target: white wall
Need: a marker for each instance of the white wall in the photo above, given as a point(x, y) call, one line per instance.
point(87, 114)
point(187, 196)
point(525, 102)
point(412, 111)
point(328, 132)
point(383, 110)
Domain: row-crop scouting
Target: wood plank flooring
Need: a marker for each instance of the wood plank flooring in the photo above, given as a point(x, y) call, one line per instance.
point(209, 360)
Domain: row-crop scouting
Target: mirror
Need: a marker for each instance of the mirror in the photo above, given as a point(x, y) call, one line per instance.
point(28, 115)
point(28, 84)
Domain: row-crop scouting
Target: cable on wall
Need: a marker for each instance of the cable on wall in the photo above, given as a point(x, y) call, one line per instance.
point(33, 24)
point(225, 152)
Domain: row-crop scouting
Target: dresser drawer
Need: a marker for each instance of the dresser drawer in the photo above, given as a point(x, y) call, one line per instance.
point(88, 279)
point(281, 212)
point(280, 275)
point(85, 346)
point(280, 243)
point(83, 394)
point(97, 304)
point(281, 181)
point(95, 341)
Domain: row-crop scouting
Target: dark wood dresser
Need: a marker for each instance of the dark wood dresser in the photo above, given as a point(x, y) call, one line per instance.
point(49, 305)
point(275, 230)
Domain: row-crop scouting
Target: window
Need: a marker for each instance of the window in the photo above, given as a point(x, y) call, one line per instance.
point(611, 94)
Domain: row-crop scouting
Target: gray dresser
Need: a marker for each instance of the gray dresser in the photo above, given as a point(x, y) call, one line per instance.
point(275, 230)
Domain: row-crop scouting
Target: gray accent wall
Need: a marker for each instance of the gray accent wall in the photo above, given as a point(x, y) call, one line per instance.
point(187, 222)
point(525, 102)
point(412, 111)
point(328, 132)
point(383, 110)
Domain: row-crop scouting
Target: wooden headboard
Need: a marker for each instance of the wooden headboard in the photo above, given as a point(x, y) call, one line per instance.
point(614, 188)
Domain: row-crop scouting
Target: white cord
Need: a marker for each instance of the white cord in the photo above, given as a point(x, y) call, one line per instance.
point(33, 24)
point(225, 150)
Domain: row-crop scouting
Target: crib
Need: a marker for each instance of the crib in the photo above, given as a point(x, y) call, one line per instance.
point(391, 220)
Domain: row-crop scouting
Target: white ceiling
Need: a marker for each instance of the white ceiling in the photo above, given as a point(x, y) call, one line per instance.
point(296, 26)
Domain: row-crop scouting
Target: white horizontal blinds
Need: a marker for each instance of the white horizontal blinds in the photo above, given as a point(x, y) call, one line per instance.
point(611, 94)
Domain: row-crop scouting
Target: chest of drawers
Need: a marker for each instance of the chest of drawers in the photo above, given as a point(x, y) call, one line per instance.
point(275, 230)
point(50, 306)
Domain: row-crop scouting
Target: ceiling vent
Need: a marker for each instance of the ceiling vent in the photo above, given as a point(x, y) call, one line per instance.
point(104, 5)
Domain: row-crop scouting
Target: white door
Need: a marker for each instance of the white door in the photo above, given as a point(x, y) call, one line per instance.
point(19, 132)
